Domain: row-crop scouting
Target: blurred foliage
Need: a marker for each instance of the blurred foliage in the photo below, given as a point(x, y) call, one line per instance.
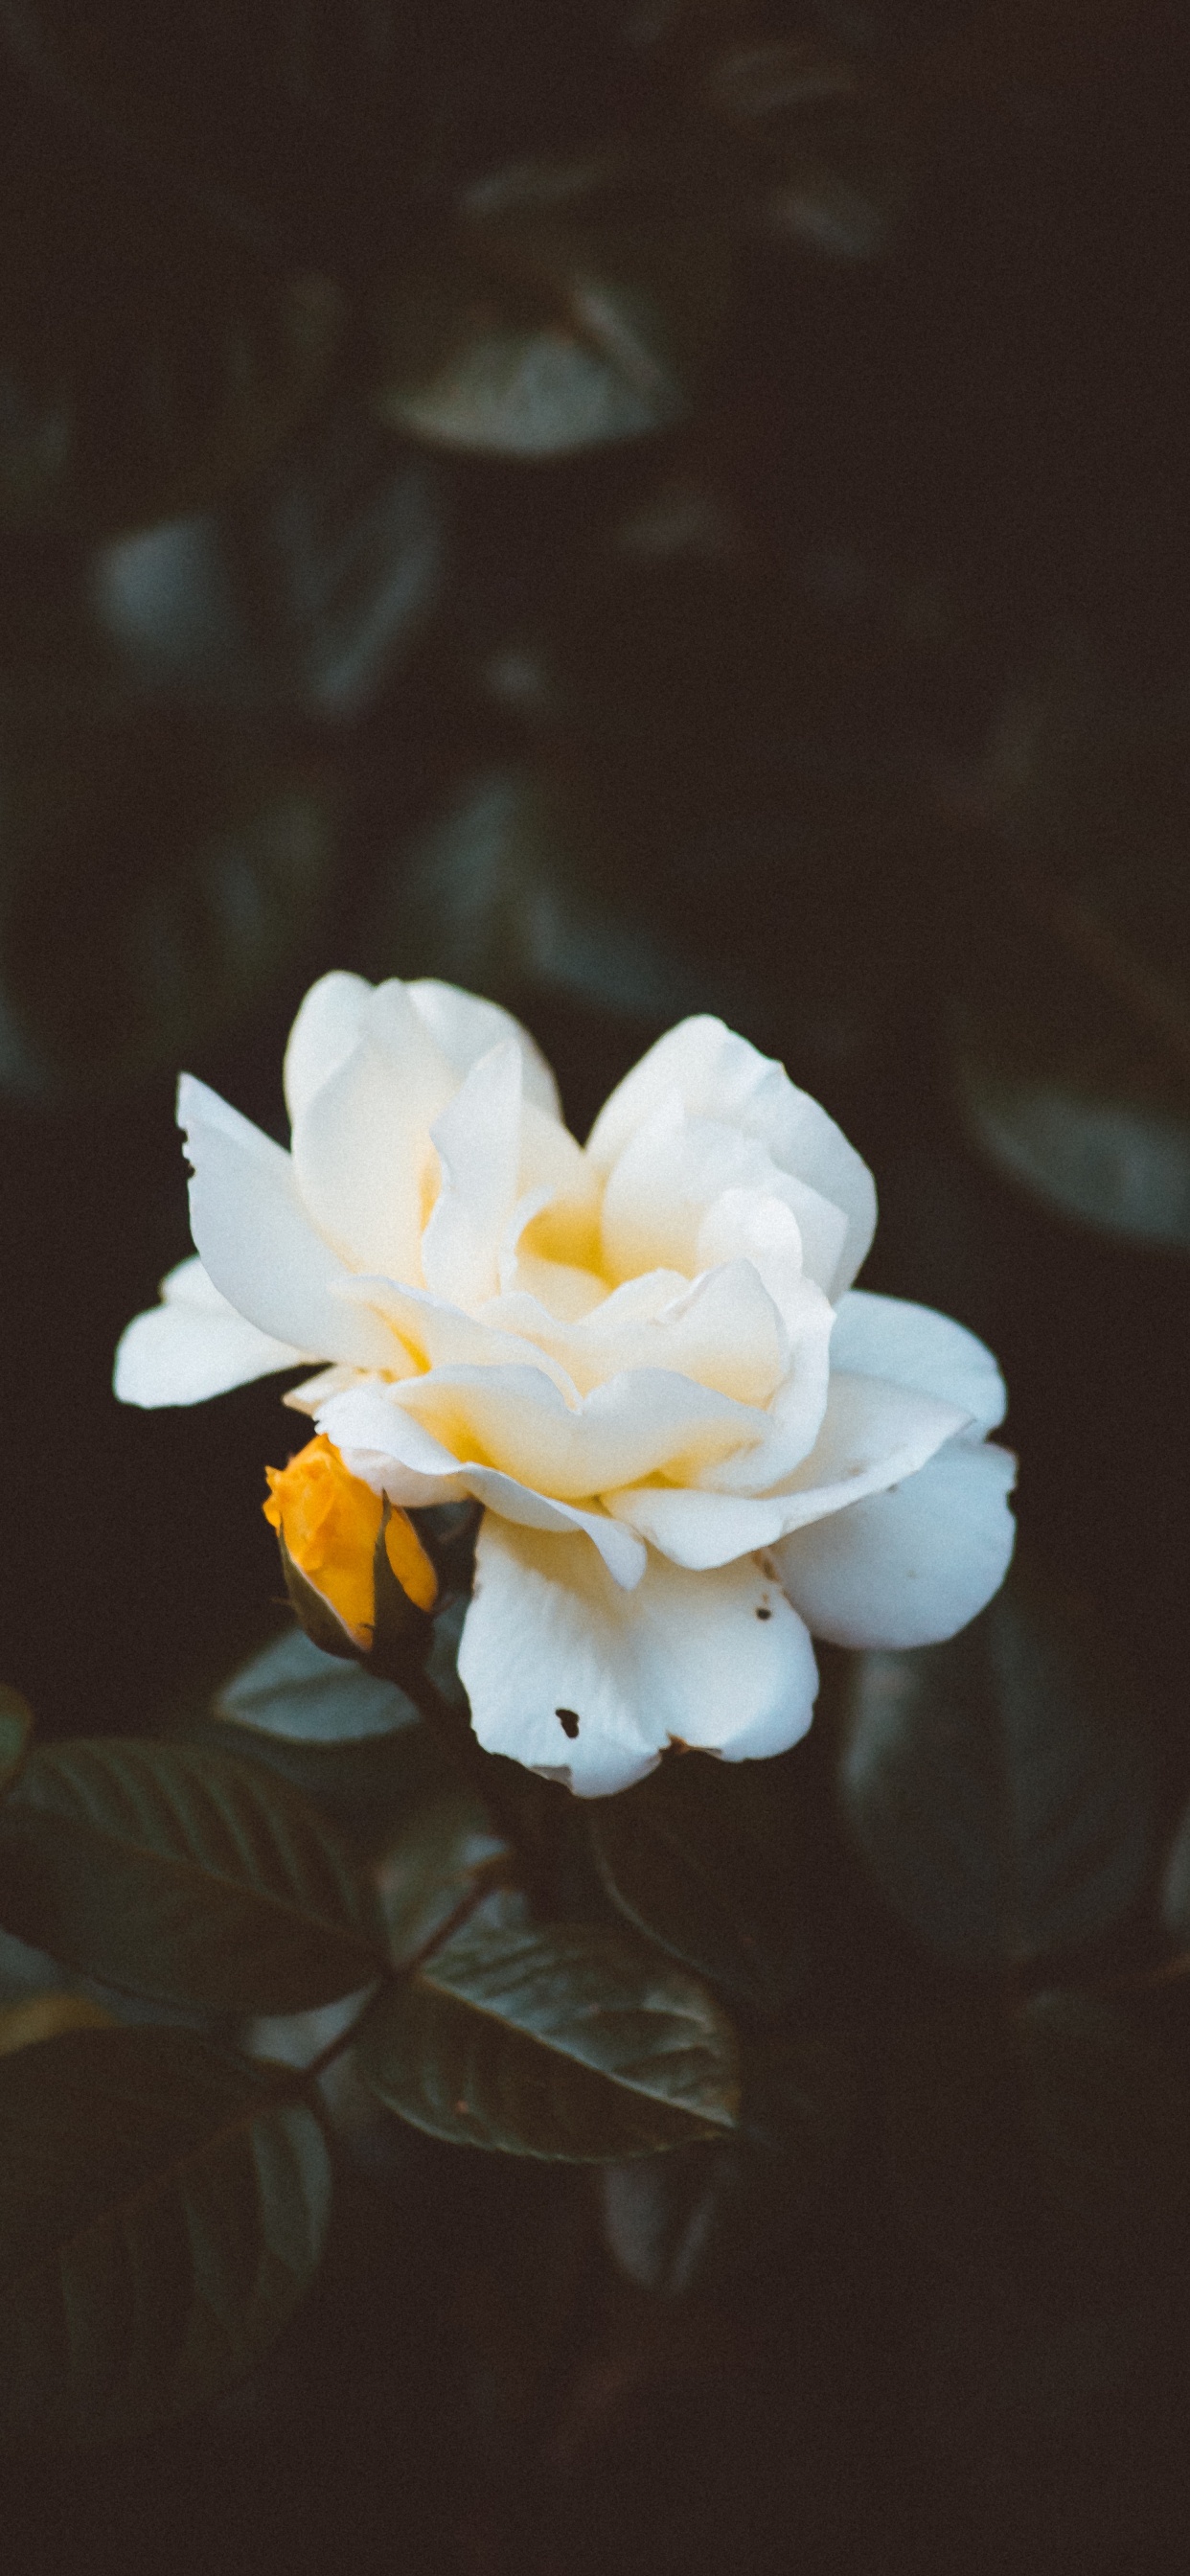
point(636, 509)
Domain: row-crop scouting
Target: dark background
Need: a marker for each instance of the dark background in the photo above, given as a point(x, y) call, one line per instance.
point(833, 673)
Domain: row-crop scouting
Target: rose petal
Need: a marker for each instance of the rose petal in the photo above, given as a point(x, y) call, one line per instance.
point(910, 1566)
point(478, 1140)
point(192, 1346)
point(365, 1164)
point(326, 1029)
point(257, 1242)
point(466, 1027)
point(629, 1427)
point(399, 1457)
point(913, 1346)
point(872, 1435)
point(723, 1331)
point(719, 1076)
point(587, 1684)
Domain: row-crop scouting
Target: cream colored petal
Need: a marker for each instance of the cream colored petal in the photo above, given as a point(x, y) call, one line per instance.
point(587, 1684)
point(478, 1141)
point(911, 1566)
point(719, 1076)
point(435, 1334)
point(256, 1240)
point(322, 1037)
point(193, 1345)
point(788, 1237)
point(724, 1332)
point(872, 1436)
point(397, 1456)
point(466, 1027)
point(913, 1346)
point(630, 1427)
point(365, 1164)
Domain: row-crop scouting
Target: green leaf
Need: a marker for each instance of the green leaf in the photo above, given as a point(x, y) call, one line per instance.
point(1052, 2151)
point(160, 875)
point(162, 2212)
point(291, 1689)
point(442, 1853)
point(16, 1728)
point(540, 335)
point(999, 1787)
point(559, 2041)
point(184, 1875)
point(148, 362)
point(1071, 997)
point(695, 1858)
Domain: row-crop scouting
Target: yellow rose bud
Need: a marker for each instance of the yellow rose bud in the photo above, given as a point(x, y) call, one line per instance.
point(330, 1522)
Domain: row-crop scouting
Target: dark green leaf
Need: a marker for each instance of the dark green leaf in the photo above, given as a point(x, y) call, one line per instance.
point(16, 1728)
point(1000, 1787)
point(1052, 2151)
point(710, 2210)
point(446, 1849)
point(538, 337)
point(147, 364)
point(183, 1875)
point(300, 593)
point(1071, 998)
point(560, 2041)
point(186, 872)
point(695, 1858)
point(1175, 1886)
point(162, 2212)
point(48, 2016)
point(291, 1689)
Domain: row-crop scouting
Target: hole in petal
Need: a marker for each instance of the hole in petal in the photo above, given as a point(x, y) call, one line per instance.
point(764, 1611)
point(568, 1719)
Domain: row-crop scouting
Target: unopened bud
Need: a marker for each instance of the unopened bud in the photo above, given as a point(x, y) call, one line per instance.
point(331, 1527)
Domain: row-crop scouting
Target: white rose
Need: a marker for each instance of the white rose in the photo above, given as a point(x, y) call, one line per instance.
point(694, 1443)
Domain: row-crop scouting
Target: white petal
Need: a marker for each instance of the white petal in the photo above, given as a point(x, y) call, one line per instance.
point(466, 1028)
point(630, 1427)
point(399, 1457)
point(257, 1242)
point(478, 1140)
point(361, 1145)
point(720, 1076)
point(192, 1346)
point(911, 1345)
point(723, 1331)
point(872, 1435)
point(322, 1037)
point(710, 1660)
point(910, 1566)
point(437, 1334)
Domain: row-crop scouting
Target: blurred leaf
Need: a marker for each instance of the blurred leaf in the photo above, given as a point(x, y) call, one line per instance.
point(695, 2218)
point(146, 363)
point(162, 2212)
point(186, 1876)
point(1000, 1787)
point(692, 1858)
point(446, 1849)
point(539, 334)
point(301, 592)
point(48, 2016)
point(496, 896)
point(16, 1728)
point(291, 1689)
point(1070, 950)
point(1053, 2151)
point(560, 2041)
point(158, 876)
point(1175, 1885)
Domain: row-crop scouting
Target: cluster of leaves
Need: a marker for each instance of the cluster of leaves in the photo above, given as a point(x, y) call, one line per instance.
point(698, 1986)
